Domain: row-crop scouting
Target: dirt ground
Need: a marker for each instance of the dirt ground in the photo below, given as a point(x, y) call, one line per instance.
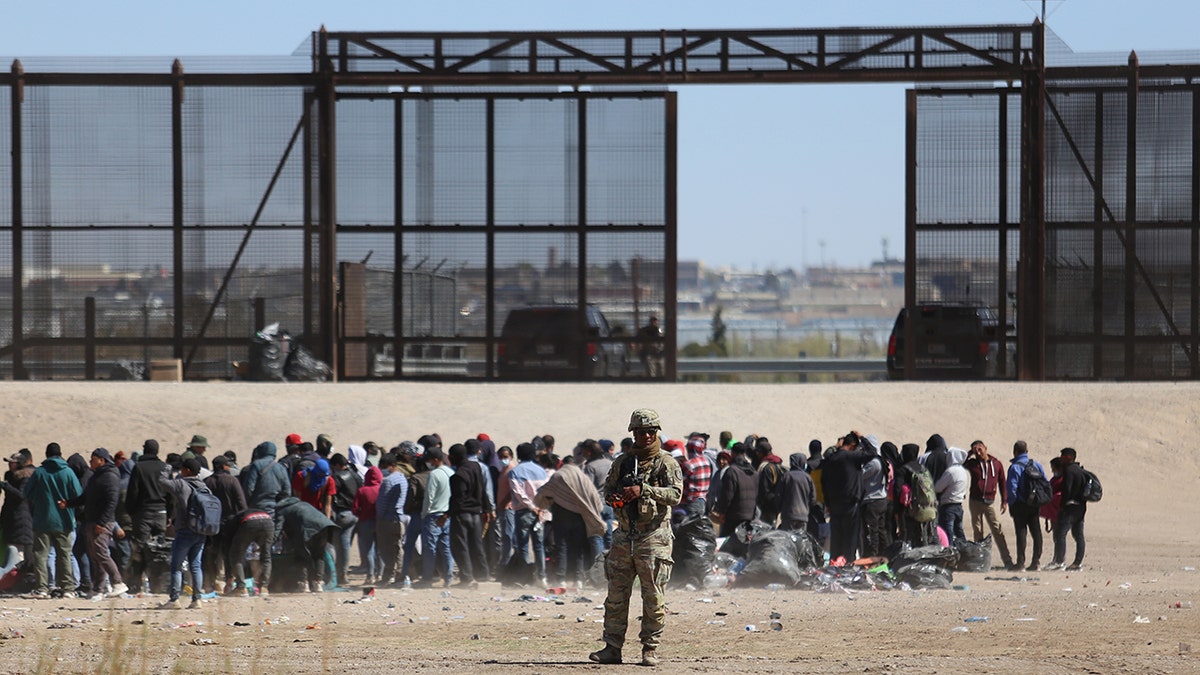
point(1135, 608)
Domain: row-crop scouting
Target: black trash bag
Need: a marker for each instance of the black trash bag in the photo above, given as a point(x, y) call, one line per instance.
point(809, 553)
point(772, 560)
point(125, 370)
point(736, 543)
point(268, 354)
point(694, 551)
point(938, 555)
point(157, 556)
point(516, 573)
point(974, 556)
point(896, 549)
point(302, 366)
point(926, 575)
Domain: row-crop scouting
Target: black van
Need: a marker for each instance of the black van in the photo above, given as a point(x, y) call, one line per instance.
point(953, 342)
point(546, 343)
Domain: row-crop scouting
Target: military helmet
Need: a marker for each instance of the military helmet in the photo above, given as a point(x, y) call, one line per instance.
point(644, 418)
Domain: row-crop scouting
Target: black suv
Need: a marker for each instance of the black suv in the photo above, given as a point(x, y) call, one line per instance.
point(953, 342)
point(546, 342)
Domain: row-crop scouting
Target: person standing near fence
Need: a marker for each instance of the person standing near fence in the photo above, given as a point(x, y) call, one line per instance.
point(987, 482)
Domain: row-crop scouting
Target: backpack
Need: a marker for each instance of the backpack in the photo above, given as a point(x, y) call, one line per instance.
point(414, 500)
point(203, 512)
point(922, 506)
point(1092, 490)
point(1037, 489)
point(769, 481)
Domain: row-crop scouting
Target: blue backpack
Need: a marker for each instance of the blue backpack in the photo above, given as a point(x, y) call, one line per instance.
point(203, 512)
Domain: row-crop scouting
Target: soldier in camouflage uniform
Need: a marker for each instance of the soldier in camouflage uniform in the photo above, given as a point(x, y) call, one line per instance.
point(642, 486)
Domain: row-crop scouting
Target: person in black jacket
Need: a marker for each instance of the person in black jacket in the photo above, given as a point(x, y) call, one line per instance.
point(226, 488)
point(797, 495)
point(842, 485)
point(937, 456)
point(739, 493)
point(1071, 512)
point(99, 502)
point(468, 503)
point(347, 481)
point(147, 506)
point(15, 520)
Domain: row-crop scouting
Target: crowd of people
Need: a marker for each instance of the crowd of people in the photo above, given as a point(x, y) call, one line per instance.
point(421, 514)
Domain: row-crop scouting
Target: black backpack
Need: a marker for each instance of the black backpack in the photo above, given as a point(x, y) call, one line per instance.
point(1037, 489)
point(1092, 490)
point(203, 512)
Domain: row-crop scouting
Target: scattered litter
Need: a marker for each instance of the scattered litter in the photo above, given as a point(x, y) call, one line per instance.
point(1184, 647)
point(961, 587)
point(138, 622)
point(775, 588)
point(776, 625)
point(299, 640)
point(704, 599)
point(82, 619)
point(1189, 568)
point(1125, 586)
point(475, 636)
point(960, 629)
point(720, 613)
point(1140, 619)
point(241, 623)
point(391, 605)
point(391, 623)
point(313, 626)
point(579, 619)
point(532, 598)
point(1027, 618)
point(56, 626)
point(751, 628)
point(583, 600)
point(976, 619)
point(718, 622)
point(446, 608)
point(776, 615)
point(200, 642)
point(447, 594)
point(277, 620)
point(1068, 589)
point(11, 634)
point(422, 618)
point(558, 590)
point(557, 616)
point(1183, 605)
point(458, 617)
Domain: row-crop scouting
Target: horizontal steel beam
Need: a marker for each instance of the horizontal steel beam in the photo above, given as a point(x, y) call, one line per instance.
point(938, 54)
point(700, 365)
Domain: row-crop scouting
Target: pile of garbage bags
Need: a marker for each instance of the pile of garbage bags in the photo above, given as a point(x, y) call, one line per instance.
point(276, 357)
point(758, 556)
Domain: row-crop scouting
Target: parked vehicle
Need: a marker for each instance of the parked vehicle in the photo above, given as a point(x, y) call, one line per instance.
point(952, 342)
point(553, 342)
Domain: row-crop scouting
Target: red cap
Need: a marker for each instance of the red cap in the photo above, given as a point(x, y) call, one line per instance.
point(293, 439)
point(483, 437)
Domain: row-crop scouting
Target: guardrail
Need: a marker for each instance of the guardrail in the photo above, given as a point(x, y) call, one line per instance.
point(705, 365)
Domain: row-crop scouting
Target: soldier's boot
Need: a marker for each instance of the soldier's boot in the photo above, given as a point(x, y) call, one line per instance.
point(609, 654)
point(649, 658)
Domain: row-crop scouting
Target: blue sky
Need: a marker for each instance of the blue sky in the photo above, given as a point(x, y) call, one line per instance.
point(770, 176)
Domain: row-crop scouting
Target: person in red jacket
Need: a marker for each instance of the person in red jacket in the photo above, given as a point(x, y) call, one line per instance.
point(987, 482)
point(364, 509)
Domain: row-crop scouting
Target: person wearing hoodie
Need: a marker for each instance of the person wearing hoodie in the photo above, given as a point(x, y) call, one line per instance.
point(265, 481)
point(797, 494)
point(364, 509)
point(915, 532)
point(147, 506)
point(646, 484)
point(188, 545)
point(347, 483)
point(936, 457)
point(874, 511)
point(51, 483)
point(952, 492)
point(306, 534)
point(739, 493)
point(15, 521)
point(99, 504)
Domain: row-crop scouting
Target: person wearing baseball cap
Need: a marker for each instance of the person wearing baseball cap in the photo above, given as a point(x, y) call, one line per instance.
point(15, 521)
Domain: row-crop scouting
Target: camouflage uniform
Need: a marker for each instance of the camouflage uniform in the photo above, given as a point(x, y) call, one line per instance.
point(641, 548)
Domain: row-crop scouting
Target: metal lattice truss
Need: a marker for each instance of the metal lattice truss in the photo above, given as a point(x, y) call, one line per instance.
point(678, 56)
